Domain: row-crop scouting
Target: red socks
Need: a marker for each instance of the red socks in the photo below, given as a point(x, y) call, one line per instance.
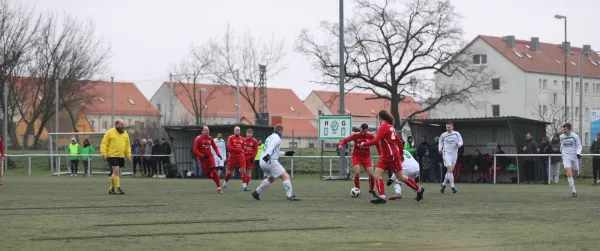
point(380, 188)
point(227, 177)
point(371, 183)
point(412, 184)
point(245, 178)
point(215, 177)
point(357, 182)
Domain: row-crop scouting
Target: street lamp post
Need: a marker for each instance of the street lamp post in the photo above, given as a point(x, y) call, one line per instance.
point(201, 106)
point(565, 49)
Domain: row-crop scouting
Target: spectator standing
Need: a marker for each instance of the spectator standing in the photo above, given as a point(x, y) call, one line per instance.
point(595, 149)
point(86, 151)
point(143, 168)
point(409, 145)
point(195, 164)
point(261, 147)
point(155, 160)
point(421, 150)
point(74, 150)
point(545, 148)
point(136, 150)
point(167, 150)
point(148, 158)
point(435, 159)
point(555, 161)
point(531, 147)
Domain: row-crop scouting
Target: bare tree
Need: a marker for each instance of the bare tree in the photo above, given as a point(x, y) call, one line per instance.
point(189, 74)
point(552, 114)
point(17, 27)
point(391, 48)
point(69, 54)
point(244, 55)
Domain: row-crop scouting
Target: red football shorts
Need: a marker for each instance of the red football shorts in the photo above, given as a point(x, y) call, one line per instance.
point(207, 165)
point(394, 164)
point(236, 160)
point(363, 161)
point(249, 163)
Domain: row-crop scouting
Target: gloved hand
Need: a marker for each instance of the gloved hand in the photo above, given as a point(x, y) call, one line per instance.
point(289, 153)
point(206, 156)
point(220, 156)
point(267, 158)
point(578, 156)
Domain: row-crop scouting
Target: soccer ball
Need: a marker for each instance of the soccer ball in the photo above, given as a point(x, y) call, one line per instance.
point(355, 192)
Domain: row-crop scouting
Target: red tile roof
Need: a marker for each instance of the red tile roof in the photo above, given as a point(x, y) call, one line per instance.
point(123, 92)
point(360, 104)
point(302, 128)
point(544, 60)
point(220, 101)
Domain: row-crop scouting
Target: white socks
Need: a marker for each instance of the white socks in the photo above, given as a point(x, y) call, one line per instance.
point(450, 179)
point(287, 184)
point(398, 189)
point(393, 176)
point(263, 185)
point(244, 185)
point(572, 184)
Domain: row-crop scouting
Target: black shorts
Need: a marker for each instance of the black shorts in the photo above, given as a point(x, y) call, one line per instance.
point(112, 161)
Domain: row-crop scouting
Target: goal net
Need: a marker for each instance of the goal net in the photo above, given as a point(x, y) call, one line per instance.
point(61, 161)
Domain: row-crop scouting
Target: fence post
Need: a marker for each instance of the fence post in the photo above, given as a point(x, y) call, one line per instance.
point(29, 165)
point(549, 168)
point(89, 166)
point(292, 161)
point(2, 170)
point(330, 166)
point(495, 164)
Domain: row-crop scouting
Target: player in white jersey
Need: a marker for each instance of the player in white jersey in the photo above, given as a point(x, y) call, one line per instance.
point(570, 147)
point(269, 163)
point(410, 168)
point(222, 146)
point(450, 142)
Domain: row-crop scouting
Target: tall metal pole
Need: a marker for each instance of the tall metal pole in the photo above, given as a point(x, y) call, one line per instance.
point(237, 95)
point(342, 77)
point(581, 94)
point(5, 122)
point(56, 105)
point(566, 54)
point(112, 101)
point(171, 93)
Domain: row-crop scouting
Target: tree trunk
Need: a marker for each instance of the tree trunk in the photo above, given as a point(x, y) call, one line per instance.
point(394, 109)
point(12, 133)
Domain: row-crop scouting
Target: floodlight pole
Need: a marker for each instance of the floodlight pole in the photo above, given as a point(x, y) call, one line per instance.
point(342, 77)
point(112, 101)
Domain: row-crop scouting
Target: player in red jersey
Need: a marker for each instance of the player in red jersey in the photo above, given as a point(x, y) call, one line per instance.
point(235, 144)
point(361, 155)
point(390, 157)
point(250, 150)
point(202, 145)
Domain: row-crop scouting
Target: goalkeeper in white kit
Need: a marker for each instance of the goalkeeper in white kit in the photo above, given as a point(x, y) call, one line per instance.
point(570, 147)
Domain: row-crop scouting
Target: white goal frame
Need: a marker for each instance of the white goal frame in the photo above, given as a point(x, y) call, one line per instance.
point(55, 153)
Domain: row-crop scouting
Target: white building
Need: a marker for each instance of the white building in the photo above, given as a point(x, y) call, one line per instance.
point(529, 81)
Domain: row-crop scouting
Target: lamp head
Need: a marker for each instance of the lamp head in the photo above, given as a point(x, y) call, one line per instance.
point(560, 17)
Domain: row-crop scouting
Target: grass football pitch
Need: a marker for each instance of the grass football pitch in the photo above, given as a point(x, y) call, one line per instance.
point(76, 213)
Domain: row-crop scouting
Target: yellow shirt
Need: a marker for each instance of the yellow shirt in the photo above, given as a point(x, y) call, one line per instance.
point(115, 144)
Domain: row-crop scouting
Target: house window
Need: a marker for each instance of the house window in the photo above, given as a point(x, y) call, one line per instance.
point(577, 111)
point(479, 59)
point(555, 98)
point(567, 86)
point(576, 87)
point(586, 139)
point(540, 85)
point(158, 107)
point(545, 84)
point(93, 124)
point(495, 84)
point(496, 110)
point(587, 88)
point(586, 116)
point(129, 122)
point(545, 110)
point(104, 125)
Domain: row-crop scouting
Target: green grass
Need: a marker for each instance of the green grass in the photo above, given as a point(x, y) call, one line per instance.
point(76, 213)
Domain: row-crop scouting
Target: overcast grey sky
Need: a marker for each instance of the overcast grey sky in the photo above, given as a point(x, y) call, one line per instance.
point(148, 36)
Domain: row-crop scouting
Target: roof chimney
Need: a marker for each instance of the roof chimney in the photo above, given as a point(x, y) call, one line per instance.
point(587, 50)
point(510, 40)
point(535, 44)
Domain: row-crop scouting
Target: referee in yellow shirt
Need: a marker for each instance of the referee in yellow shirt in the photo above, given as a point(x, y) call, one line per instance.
point(114, 148)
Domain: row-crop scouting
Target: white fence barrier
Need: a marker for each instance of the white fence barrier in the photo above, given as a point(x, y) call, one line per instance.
point(535, 155)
